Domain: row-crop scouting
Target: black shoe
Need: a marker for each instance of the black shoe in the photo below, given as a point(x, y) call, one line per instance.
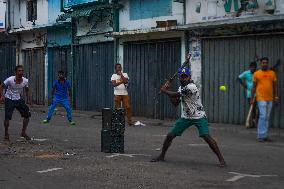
point(261, 140)
point(267, 140)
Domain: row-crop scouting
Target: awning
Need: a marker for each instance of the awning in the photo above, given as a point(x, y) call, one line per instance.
point(76, 13)
point(40, 27)
point(143, 31)
point(87, 11)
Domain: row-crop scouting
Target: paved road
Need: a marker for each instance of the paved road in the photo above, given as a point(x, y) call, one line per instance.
point(69, 157)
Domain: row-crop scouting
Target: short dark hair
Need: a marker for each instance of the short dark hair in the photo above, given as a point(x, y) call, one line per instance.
point(264, 58)
point(18, 66)
point(117, 64)
point(253, 64)
point(61, 72)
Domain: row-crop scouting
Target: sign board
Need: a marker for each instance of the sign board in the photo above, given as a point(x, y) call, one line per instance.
point(2, 14)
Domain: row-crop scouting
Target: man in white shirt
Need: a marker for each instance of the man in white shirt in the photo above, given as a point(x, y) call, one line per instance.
point(119, 81)
point(192, 114)
point(14, 86)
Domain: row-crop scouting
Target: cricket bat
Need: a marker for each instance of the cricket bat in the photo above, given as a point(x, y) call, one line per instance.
point(249, 116)
point(182, 66)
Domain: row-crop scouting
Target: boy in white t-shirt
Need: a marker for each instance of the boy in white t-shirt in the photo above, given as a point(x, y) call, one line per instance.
point(119, 81)
point(14, 86)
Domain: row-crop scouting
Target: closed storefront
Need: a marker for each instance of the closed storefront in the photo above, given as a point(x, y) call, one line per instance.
point(93, 67)
point(149, 64)
point(33, 61)
point(8, 59)
point(223, 59)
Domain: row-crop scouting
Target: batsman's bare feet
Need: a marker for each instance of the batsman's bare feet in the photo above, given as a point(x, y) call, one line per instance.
point(158, 159)
point(222, 164)
point(25, 136)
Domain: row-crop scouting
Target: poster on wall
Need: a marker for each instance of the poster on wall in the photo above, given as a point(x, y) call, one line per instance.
point(2, 14)
point(71, 3)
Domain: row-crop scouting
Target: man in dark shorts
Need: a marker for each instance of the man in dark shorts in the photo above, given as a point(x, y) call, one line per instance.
point(14, 86)
point(192, 114)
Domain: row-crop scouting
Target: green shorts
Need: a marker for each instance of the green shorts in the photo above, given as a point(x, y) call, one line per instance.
point(182, 124)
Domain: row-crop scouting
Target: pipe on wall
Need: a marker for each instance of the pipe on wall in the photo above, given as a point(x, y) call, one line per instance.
point(184, 12)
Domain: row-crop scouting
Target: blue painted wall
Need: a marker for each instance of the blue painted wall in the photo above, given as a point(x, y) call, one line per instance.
point(70, 3)
point(54, 7)
point(59, 36)
point(141, 9)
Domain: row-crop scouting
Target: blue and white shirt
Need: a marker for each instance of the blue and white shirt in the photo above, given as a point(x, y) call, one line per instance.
point(192, 107)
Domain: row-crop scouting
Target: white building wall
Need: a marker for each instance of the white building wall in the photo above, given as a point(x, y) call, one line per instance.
point(33, 39)
point(18, 14)
point(214, 10)
point(126, 24)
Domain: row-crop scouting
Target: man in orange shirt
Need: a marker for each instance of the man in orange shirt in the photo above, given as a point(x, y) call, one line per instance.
point(265, 87)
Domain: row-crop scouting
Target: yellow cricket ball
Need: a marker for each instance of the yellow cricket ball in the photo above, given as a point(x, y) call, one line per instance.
point(222, 88)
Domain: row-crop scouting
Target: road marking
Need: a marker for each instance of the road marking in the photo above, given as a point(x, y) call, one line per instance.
point(40, 139)
point(202, 144)
point(126, 155)
point(49, 170)
point(159, 135)
point(70, 154)
point(198, 144)
point(239, 176)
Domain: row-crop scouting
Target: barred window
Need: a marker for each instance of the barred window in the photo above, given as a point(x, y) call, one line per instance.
point(31, 10)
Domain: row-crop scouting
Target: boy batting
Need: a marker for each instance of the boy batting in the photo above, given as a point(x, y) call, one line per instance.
point(192, 114)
